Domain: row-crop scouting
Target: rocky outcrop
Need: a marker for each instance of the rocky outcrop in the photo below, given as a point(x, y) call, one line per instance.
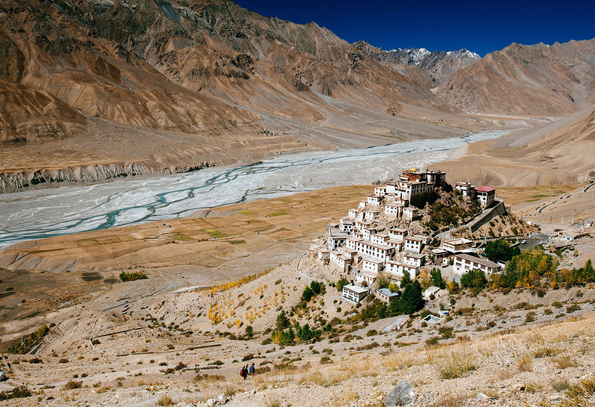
point(29, 116)
point(10, 182)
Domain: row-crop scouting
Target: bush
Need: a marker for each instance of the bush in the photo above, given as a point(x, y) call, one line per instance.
point(325, 360)
point(165, 400)
point(572, 308)
point(71, 385)
point(530, 317)
point(432, 341)
point(16, 393)
point(456, 366)
point(342, 283)
point(137, 275)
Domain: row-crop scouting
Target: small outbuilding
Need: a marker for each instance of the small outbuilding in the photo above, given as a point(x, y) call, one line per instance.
point(354, 293)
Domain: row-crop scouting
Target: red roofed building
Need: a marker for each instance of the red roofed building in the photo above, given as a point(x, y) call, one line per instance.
point(485, 195)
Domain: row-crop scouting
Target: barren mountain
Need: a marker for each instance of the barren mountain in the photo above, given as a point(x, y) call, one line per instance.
point(559, 153)
point(188, 66)
point(175, 85)
point(526, 79)
point(186, 82)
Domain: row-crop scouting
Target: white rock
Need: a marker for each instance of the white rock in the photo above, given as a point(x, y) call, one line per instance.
point(482, 397)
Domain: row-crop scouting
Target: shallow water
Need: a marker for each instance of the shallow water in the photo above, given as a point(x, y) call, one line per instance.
point(59, 211)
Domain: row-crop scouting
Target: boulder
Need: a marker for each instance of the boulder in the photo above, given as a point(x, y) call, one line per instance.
point(401, 395)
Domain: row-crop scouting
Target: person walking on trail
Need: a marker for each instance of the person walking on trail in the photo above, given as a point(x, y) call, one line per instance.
point(252, 370)
point(244, 372)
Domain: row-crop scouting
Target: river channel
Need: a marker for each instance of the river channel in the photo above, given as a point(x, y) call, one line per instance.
point(50, 212)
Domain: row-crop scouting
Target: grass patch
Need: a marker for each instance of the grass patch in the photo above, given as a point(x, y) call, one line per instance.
point(564, 362)
point(247, 212)
point(584, 388)
point(237, 241)
point(270, 215)
point(545, 352)
point(456, 365)
point(182, 237)
point(452, 400)
point(215, 233)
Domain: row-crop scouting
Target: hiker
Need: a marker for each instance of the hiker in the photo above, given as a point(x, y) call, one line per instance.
point(252, 370)
point(244, 372)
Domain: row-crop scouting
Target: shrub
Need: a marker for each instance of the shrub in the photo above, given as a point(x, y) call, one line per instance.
point(63, 360)
point(525, 364)
point(71, 384)
point(446, 332)
point(432, 341)
point(16, 393)
point(325, 360)
point(137, 275)
point(560, 385)
point(573, 308)
point(165, 400)
point(545, 352)
point(530, 317)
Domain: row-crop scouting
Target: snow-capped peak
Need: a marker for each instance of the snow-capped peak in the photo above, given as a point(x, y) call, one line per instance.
point(464, 53)
point(415, 54)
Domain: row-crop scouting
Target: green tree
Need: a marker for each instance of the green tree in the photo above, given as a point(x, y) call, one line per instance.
point(342, 283)
point(317, 287)
point(589, 272)
point(382, 280)
point(249, 332)
point(474, 279)
point(412, 299)
point(307, 294)
point(282, 321)
point(501, 250)
point(405, 280)
point(436, 276)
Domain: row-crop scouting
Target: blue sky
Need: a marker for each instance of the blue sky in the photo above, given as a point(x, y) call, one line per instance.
point(479, 26)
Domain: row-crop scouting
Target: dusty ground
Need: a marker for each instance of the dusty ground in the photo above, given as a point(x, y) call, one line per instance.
point(525, 354)
point(545, 155)
point(50, 274)
point(518, 348)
